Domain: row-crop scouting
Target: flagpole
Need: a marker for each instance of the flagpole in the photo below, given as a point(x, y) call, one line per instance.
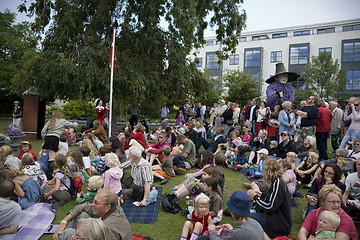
point(112, 79)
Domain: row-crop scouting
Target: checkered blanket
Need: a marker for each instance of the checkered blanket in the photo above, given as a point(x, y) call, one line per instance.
point(146, 214)
point(33, 221)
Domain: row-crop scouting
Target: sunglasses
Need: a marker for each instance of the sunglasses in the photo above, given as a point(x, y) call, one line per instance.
point(284, 135)
point(356, 105)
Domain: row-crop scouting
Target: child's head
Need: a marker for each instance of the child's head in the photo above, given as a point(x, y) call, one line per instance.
point(25, 146)
point(27, 159)
point(342, 161)
point(166, 150)
point(312, 158)
point(207, 157)
point(60, 161)
point(285, 163)
point(328, 221)
point(291, 156)
point(210, 183)
point(85, 151)
point(92, 149)
point(12, 172)
point(63, 138)
point(240, 150)
point(273, 144)
point(112, 160)
point(220, 158)
point(263, 133)
point(71, 130)
point(176, 150)
point(96, 182)
point(102, 151)
point(7, 188)
point(76, 156)
point(182, 130)
point(263, 153)
point(201, 205)
point(208, 173)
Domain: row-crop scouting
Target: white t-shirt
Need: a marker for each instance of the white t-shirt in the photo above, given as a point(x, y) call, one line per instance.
point(351, 154)
point(259, 117)
point(64, 148)
point(351, 179)
point(86, 162)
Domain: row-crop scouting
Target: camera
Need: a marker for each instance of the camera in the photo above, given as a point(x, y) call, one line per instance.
point(349, 142)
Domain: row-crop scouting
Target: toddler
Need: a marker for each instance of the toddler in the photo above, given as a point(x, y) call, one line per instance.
point(112, 177)
point(247, 135)
point(201, 219)
point(26, 148)
point(240, 162)
point(98, 168)
point(64, 146)
point(328, 222)
point(95, 183)
point(164, 170)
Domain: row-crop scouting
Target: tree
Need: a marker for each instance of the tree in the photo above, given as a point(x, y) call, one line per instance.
point(242, 87)
point(152, 64)
point(324, 78)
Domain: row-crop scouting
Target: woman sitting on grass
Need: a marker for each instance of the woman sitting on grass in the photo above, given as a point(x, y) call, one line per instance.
point(306, 169)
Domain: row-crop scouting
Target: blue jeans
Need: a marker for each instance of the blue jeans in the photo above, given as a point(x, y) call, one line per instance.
point(43, 160)
point(299, 160)
point(309, 207)
point(351, 135)
point(259, 217)
point(253, 128)
point(178, 161)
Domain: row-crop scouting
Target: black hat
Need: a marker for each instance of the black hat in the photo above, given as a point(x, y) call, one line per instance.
point(280, 69)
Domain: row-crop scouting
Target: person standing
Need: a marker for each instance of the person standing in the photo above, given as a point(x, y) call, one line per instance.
point(135, 112)
point(236, 113)
point(227, 118)
point(323, 122)
point(100, 111)
point(335, 126)
point(308, 116)
point(251, 115)
point(346, 123)
point(164, 112)
point(218, 113)
point(17, 114)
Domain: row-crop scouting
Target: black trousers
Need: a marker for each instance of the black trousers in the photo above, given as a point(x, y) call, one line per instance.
point(321, 144)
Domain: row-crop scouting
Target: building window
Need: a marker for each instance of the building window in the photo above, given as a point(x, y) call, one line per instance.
point(252, 58)
point(299, 55)
point(242, 39)
point(212, 61)
point(351, 28)
point(234, 59)
point(301, 33)
point(353, 80)
point(325, 30)
point(209, 43)
point(260, 37)
point(276, 57)
point(218, 42)
point(327, 50)
point(279, 35)
point(199, 64)
point(351, 51)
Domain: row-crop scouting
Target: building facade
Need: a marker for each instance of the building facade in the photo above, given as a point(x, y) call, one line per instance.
point(258, 52)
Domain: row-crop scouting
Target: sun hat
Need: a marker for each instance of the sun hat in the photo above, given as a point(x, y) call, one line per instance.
point(263, 151)
point(280, 69)
point(222, 101)
point(236, 142)
point(239, 203)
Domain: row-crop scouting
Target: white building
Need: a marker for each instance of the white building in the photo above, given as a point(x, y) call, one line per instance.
point(259, 51)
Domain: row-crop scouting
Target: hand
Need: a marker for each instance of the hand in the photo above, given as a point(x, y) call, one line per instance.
point(143, 203)
point(312, 200)
point(251, 193)
point(58, 231)
point(46, 195)
point(211, 227)
point(328, 181)
point(227, 227)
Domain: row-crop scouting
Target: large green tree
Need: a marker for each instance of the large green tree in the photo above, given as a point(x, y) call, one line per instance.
point(324, 78)
point(152, 62)
point(242, 87)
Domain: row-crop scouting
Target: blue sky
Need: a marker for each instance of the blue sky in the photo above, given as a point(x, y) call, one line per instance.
point(270, 14)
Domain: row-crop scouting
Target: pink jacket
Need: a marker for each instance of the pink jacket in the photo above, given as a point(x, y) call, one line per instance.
point(112, 179)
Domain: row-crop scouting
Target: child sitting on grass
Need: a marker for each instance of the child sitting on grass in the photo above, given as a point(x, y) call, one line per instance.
point(201, 219)
point(258, 171)
point(95, 183)
point(86, 159)
point(26, 148)
point(76, 165)
point(240, 162)
point(328, 222)
point(164, 170)
point(112, 176)
point(99, 167)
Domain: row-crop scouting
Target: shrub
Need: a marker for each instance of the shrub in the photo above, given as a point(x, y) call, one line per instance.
point(79, 110)
point(51, 109)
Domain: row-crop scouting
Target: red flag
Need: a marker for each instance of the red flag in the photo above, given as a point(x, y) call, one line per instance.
point(111, 55)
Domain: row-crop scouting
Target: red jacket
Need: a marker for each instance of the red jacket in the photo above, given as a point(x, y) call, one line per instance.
point(323, 121)
point(139, 137)
point(21, 154)
point(158, 147)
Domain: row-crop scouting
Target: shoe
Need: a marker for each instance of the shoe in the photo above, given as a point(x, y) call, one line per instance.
point(185, 212)
point(56, 205)
point(165, 180)
point(227, 212)
point(179, 171)
point(51, 201)
point(247, 185)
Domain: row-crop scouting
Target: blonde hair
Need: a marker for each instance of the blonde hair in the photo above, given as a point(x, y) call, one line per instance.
point(285, 163)
point(312, 140)
point(342, 160)
point(200, 201)
point(334, 218)
point(112, 160)
point(140, 127)
point(93, 229)
point(96, 182)
point(54, 116)
point(6, 151)
point(292, 155)
point(182, 130)
point(27, 159)
point(263, 132)
point(272, 170)
point(12, 172)
point(285, 104)
point(88, 143)
point(326, 189)
point(177, 150)
point(311, 156)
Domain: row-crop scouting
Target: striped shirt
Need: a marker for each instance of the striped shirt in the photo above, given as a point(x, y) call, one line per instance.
point(141, 172)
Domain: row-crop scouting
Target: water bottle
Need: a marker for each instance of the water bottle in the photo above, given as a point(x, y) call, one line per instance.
point(152, 196)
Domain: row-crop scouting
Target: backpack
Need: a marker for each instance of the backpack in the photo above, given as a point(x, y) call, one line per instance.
point(170, 203)
point(75, 184)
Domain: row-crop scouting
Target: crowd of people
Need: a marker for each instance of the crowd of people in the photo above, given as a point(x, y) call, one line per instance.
point(274, 148)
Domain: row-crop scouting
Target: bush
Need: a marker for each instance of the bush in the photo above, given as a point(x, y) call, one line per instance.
point(79, 110)
point(51, 109)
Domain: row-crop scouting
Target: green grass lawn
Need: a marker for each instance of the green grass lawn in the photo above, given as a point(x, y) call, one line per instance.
point(169, 226)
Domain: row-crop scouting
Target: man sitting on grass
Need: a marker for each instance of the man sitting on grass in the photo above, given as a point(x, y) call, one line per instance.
point(9, 210)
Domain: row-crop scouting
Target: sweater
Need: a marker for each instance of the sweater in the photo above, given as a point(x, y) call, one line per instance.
point(323, 121)
point(354, 117)
point(58, 129)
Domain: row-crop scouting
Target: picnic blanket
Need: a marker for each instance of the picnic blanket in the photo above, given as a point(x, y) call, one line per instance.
point(146, 214)
point(33, 222)
point(248, 176)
